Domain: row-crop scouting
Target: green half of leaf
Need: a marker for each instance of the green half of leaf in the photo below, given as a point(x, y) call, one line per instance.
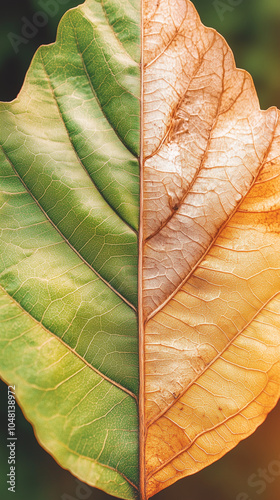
point(69, 211)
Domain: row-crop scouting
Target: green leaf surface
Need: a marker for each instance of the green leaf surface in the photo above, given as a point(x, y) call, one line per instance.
point(69, 212)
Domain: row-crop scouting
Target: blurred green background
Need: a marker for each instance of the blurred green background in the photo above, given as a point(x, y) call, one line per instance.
point(252, 29)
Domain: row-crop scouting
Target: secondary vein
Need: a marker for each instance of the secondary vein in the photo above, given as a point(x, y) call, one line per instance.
point(108, 379)
point(63, 236)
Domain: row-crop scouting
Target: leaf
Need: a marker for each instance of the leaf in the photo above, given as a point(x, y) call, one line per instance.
point(69, 218)
point(194, 316)
point(211, 257)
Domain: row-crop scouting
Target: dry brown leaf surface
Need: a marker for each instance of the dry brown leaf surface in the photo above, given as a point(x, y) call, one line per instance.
point(211, 272)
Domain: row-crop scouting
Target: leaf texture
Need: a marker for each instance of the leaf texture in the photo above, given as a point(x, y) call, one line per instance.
point(139, 308)
point(211, 254)
point(69, 250)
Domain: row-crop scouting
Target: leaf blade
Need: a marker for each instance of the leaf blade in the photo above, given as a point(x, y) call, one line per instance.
point(69, 249)
point(205, 304)
point(73, 187)
point(44, 395)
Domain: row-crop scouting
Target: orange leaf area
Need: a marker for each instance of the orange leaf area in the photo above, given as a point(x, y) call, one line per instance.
point(211, 258)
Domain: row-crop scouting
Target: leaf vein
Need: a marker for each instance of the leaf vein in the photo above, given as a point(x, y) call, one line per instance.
point(119, 386)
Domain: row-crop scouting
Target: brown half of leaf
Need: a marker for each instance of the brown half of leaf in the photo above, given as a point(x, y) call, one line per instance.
point(211, 253)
